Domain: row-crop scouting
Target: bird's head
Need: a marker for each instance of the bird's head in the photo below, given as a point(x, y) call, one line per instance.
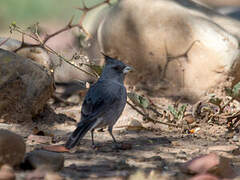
point(114, 67)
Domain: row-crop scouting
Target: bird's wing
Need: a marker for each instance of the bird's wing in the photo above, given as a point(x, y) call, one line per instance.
point(100, 97)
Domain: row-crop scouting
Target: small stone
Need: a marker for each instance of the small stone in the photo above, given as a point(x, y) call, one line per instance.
point(175, 143)
point(189, 119)
point(40, 158)
point(211, 163)
point(235, 138)
point(134, 125)
point(7, 173)
point(12, 148)
point(52, 176)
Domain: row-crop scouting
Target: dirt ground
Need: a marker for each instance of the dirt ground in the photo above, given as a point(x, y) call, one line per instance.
point(155, 148)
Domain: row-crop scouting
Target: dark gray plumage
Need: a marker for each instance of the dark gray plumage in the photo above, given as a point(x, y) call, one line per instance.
point(104, 102)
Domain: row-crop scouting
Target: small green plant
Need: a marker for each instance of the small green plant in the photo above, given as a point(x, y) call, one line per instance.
point(138, 100)
point(234, 92)
point(177, 112)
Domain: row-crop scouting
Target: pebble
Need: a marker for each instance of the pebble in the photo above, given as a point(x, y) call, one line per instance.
point(7, 173)
point(189, 118)
point(134, 125)
point(211, 163)
point(41, 158)
point(52, 176)
point(235, 138)
point(12, 148)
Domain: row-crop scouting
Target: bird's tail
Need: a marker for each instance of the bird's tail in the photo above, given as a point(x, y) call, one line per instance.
point(79, 133)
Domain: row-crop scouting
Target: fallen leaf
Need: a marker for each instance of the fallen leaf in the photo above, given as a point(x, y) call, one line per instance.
point(56, 148)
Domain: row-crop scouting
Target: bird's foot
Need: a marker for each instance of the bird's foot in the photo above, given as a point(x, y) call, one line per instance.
point(95, 147)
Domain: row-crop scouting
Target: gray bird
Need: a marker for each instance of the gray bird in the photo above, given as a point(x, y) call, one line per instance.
point(104, 102)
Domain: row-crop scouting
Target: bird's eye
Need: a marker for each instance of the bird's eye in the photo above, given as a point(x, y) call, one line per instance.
point(118, 68)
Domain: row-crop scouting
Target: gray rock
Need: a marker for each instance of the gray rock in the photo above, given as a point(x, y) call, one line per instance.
point(12, 148)
point(25, 87)
point(67, 78)
point(40, 158)
point(172, 45)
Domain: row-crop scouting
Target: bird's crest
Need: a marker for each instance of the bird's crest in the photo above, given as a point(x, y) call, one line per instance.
point(108, 59)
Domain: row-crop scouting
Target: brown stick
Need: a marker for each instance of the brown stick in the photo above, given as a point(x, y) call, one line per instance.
point(149, 118)
point(4, 41)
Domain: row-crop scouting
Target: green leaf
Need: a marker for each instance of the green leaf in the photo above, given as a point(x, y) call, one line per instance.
point(228, 91)
point(134, 98)
point(14, 23)
point(173, 111)
point(144, 102)
point(236, 90)
point(216, 101)
point(97, 69)
point(138, 100)
point(181, 111)
point(183, 108)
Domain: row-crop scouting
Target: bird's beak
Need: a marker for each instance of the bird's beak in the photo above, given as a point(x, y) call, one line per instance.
point(127, 69)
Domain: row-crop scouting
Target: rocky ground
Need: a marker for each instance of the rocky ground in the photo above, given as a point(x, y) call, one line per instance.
point(148, 149)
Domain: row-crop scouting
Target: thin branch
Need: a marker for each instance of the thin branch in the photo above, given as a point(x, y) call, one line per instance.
point(226, 104)
point(46, 47)
point(42, 43)
point(4, 41)
point(66, 28)
point(149, 118)
point(85, 10)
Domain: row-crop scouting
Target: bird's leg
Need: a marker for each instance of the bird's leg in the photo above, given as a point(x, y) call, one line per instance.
point(114, 140)
point(93, 144)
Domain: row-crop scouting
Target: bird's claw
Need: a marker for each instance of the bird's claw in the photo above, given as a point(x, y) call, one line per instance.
point(117, 146)
point(95, 147)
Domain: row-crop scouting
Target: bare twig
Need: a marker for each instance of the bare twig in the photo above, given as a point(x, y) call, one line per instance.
point(4, 41)
point(226, 104)
point(42, 42)
point(66, 28)
point(149, 118)
point(85, 10)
